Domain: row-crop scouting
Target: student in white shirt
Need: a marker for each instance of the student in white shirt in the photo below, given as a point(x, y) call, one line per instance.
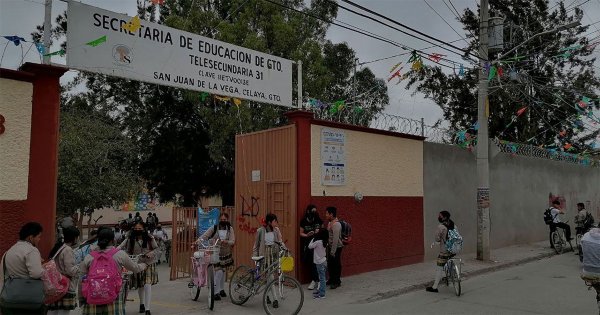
point(555, 211)
point(319, 244)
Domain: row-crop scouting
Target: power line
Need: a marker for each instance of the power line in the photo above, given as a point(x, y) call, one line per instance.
point(404, 26)
point(436, 12)
point(363, 32)
point(457, 15)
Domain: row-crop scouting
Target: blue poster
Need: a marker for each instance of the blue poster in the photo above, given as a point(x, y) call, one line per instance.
point(207, 219)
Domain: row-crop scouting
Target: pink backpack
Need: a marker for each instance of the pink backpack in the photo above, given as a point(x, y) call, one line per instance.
point(103, 282)
point(56, 284)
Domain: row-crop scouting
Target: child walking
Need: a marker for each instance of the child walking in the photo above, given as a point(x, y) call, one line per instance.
point(319, 243)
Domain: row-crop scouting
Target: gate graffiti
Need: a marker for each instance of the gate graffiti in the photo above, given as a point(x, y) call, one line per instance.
point(252, 208)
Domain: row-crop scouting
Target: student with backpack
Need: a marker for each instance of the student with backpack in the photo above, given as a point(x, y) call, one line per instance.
point(224, 233)
point(64, 257)
point(441, 237)
point(334, 261)
point(310, 225)
point(584, 220)
point(140, 242)
point(102, 288)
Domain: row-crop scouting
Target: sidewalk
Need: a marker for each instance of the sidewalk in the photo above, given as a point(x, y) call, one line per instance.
point(172, 297)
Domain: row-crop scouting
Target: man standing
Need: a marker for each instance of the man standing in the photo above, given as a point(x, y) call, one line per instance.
point(555, 211)
point(334, 260)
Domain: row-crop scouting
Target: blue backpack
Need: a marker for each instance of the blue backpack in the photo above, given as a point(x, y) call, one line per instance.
point(454, 243)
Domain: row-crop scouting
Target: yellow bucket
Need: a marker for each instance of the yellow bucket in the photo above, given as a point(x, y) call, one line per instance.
point(287, 263)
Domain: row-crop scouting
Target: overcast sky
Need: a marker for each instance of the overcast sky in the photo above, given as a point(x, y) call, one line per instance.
point(19, 17)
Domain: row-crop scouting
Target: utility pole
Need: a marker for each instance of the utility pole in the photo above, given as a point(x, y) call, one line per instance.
point(47, 30)
point(483, 166)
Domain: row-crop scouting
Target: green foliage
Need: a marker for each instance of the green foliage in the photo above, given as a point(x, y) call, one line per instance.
point(548, 85)
point(184, 144)
point(96, 165)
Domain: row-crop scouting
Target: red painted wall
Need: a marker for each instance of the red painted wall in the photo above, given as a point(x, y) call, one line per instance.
point(40, 205)
point(387, 232)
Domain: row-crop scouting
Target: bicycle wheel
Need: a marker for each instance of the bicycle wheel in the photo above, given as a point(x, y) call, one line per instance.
point(557, 242)
point(240, 285)
point(287, 296)
point(210, 286)
point(194, 289)
point(456, 279)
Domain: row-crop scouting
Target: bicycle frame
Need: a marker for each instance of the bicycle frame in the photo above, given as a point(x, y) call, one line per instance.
point(261, 277)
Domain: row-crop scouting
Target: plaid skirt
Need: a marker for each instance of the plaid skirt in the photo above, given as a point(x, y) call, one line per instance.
point(148, 276)
point(225, 257)
point(117, 308)
point(443, 259)
point(67, 303)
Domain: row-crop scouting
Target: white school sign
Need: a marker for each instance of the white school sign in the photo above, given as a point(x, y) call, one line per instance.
point(158, 54)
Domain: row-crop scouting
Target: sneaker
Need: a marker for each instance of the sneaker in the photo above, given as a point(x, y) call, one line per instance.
point(430, 289)
point(334, 286)
point(142, 309)
point(222, 293)
point(148, 312)
point(312, 285)
point(217, 297)
point(318, 296)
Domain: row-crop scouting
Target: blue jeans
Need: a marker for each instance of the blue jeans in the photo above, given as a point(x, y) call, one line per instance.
point(321, 269)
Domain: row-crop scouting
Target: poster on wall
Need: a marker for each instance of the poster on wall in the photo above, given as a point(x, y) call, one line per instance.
point(333, 157)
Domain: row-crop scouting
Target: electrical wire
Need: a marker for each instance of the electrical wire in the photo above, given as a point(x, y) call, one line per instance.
point(465, 52)
point(441, 17)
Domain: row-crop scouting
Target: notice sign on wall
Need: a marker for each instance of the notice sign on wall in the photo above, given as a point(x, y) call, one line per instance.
point(333, 157)
point(115, 44)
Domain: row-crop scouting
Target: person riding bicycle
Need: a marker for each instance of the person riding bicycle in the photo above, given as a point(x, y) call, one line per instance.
point(223, 232)
point(555, 211)
point(584, 220)
point(590, 242)
point(441, 236)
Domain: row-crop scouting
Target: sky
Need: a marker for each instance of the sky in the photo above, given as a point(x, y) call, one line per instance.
point(19, 17)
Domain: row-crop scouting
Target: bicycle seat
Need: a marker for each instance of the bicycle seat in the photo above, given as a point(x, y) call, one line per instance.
point(258, 258)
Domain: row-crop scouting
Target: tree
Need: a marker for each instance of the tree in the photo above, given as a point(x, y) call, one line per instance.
point(547, 76)
point(96, 165)
point(184, 140)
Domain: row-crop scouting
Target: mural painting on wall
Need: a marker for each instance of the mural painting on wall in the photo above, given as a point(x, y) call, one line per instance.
point(333, 157)
point(250, 209)
point(142, 202)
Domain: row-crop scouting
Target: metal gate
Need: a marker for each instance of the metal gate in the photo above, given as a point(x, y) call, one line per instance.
point(185, 229)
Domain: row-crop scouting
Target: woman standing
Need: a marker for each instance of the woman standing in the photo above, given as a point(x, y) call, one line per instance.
point(267, 243)
point(309, 226)
point(64, 257)
point(223, 232)
point(140, 242)
point(106, 239)
point(23, 260)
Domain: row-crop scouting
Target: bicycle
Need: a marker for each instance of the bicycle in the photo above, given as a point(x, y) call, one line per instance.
point(558, 239)
point(286, 292)
point(202, 274)
point(452, 269)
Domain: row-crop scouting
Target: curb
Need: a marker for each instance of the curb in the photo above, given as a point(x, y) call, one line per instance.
point(416, 287)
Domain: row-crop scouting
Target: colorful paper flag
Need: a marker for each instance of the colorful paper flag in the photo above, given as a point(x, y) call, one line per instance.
point(222, 98)
point(492, 73)
point(40, 48)
point(97, 42)
point(396, 74)
point(59, 53)
point(203, 96)
point(416, 66)
point(568, 146)
point(521, 111)
point(237, 102)
point(461, 71)
point(395, 66)
point(15, 39)
point(436, 57)
point(159, 2)
point(133, 25)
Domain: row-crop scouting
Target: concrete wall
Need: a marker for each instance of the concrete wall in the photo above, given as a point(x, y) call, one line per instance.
point(376, 165)
point(15, 107)
point(520, 189)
